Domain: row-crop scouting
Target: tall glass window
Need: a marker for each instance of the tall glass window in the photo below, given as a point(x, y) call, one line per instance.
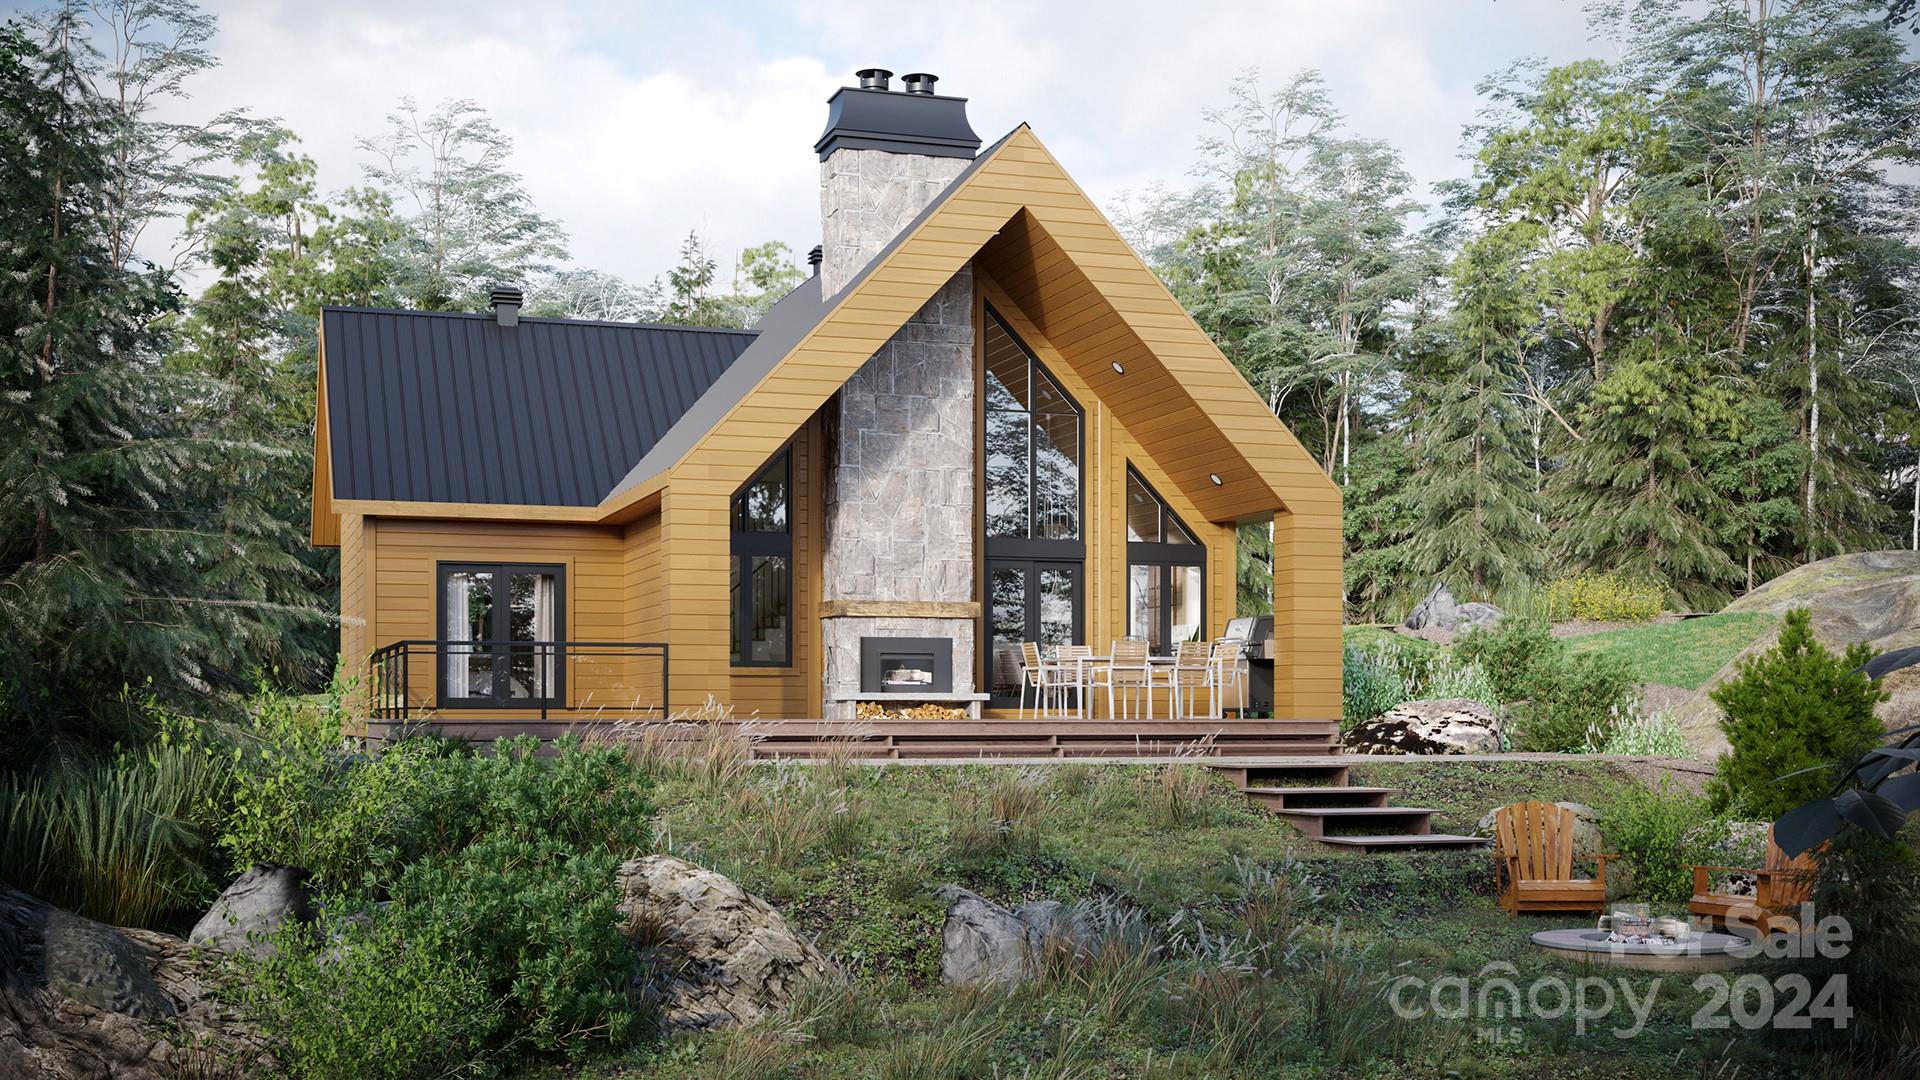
point(762, 568)
point(1165, 571)
point(1034, 511)
point(1033, 445)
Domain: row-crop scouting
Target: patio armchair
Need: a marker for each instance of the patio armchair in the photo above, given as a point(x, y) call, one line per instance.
point(1534, 845)
point(1779, 888)
point(1037, 675)
point(1128, 676)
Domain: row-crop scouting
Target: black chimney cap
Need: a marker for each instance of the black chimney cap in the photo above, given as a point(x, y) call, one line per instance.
point(815, 257)
point(873, 78)
point(918, 82)
point(506, 301)
point(920, 122)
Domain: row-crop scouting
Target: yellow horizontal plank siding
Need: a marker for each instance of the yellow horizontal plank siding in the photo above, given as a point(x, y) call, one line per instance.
point(1307, 608)
point(403, 579)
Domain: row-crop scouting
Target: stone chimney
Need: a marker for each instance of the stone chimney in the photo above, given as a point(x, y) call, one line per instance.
point(901, 464)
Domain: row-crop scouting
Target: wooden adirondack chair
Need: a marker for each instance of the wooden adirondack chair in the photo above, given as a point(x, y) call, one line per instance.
point(1535, 847)
point(1780, 887)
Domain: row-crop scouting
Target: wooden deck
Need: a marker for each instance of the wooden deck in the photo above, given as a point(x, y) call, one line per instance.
point(951, 740)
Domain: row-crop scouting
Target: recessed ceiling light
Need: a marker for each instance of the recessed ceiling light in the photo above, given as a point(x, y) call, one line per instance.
point(1215, 477)
point(1117, 369)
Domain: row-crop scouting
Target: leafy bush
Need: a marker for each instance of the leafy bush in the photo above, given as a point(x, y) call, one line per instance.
point(1370, 685)
point(1604, 598)
point(1640, 734)
point(537, 916)
point(376, 1003)
point(1795, 707)
point(1512, 652)
point(499, 864)
point(1557, 701)
point(1650, 829)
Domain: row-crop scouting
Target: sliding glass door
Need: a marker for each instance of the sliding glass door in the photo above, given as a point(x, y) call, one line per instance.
point(501, 625)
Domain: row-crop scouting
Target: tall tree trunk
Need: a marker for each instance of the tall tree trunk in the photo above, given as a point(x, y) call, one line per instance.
point(1813, 385)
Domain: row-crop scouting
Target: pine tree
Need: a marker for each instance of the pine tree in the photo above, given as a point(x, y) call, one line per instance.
point(1794, 707)
point(119, 565)
point(1477, 514)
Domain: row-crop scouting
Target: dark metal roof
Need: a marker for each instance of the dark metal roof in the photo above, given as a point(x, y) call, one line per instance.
point(442, 407)
point(781, 330)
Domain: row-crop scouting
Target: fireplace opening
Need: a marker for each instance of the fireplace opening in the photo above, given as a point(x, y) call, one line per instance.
point(906, 665)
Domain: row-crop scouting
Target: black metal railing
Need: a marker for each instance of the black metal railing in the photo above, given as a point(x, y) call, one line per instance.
point(618, 678)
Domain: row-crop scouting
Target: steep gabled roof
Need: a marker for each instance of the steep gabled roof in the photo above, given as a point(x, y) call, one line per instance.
point(1017, 212)
point(455, 408)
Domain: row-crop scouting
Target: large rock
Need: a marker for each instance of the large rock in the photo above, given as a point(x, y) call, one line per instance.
point(254, 907)
point(982, 943)
point(1869, 596)
point(81, 999)
point(1587, 843)
point(715, 954)
point(1447, 726)
point(1440, 611)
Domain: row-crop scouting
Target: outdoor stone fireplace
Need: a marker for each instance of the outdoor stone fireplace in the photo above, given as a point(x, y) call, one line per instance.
point(898, 560)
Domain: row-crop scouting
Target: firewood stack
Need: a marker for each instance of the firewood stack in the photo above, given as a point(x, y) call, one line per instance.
point(874, 710)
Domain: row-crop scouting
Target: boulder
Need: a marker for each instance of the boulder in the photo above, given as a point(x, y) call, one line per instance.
point(256, 905)
point(1587, 843)
point(1447, 726)
point(714, 954)
point(79, 998)
point(1440, 611)
point(1868, 596)
point(982, 942)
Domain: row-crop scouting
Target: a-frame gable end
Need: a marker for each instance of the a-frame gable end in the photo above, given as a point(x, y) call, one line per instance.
point(1076, 277)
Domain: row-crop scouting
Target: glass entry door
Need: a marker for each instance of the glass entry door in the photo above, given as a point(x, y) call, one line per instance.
point(501, 627)
point(1034, 600)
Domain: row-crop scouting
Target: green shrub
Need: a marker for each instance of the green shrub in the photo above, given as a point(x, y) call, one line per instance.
point(1795, 707)
point(1557, 701)
point(1450, 677)
point(1641, 735)
point(1649, 828)
point(1604, 598)
point(537, 917)
point(1512, 652)
point(379, 1004)
point(1370, 685)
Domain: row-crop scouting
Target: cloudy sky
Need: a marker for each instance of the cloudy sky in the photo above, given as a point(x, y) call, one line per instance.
point(634, 122)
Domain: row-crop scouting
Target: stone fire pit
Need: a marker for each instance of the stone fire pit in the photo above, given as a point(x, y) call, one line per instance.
point(1698, 951)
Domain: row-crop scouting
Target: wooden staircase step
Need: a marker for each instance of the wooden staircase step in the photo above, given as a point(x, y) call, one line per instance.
point(1292, 798)
point(1313, 821)
point(1280, 775)
point(1392, 843)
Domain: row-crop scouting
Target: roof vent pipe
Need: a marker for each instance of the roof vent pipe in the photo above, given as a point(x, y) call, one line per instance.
point(919, 82)
point(505, 301)
point(815, 257)
point(873, 78)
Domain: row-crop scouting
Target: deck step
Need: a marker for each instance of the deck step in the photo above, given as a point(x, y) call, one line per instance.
point(1444, 841)
point(1306, 798)
point(1396, 820)
point(1252, 776)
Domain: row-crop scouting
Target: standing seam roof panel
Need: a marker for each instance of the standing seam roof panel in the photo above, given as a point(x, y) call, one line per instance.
point(443, 407)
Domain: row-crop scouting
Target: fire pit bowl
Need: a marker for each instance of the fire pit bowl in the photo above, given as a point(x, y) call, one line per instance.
point(1699, 951)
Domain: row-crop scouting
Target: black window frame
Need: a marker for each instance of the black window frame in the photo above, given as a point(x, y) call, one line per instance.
point(1163, 557)
point(742, 548)
point(1029, 546)
point(558, 697)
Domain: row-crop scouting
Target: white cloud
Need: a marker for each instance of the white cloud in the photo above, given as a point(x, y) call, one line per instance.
point(634, 124)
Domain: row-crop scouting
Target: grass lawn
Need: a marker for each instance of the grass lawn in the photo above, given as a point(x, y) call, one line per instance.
point(1684, 653)
point(1246, 950)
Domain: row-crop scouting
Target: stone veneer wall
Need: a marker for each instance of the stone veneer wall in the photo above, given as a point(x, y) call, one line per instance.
point(900, 480)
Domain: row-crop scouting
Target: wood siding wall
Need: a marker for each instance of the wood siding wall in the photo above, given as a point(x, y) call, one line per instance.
point(402, 569)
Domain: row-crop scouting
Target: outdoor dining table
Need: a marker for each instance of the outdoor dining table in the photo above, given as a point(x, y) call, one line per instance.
point(1084, 666)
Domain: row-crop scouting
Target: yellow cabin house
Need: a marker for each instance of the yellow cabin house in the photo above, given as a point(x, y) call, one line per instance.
point(983, 424)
